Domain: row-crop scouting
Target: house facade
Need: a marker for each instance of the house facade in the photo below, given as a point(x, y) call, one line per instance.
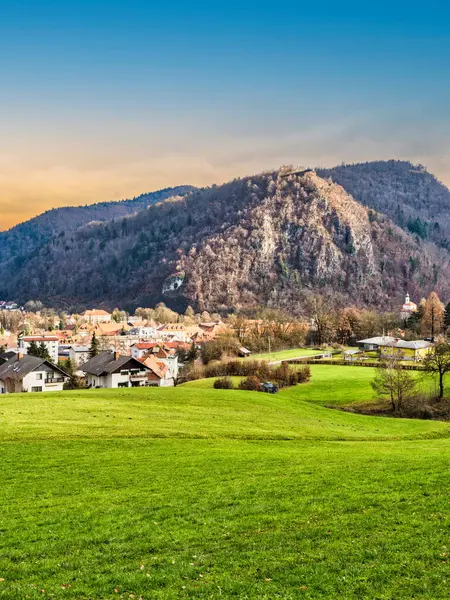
point(50, 342)
point(112, 370)
point(24, 373)
point(79, 355)
point(416, 350)
point(96, 316)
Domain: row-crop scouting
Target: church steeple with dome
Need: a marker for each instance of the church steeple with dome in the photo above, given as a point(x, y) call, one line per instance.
point(408, 308)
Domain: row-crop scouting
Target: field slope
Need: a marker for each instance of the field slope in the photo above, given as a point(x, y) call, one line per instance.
point(202, 493)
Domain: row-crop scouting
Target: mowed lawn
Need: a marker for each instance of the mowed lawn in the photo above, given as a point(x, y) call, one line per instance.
point(203, 493)
point(331, 385)
point(285, 354)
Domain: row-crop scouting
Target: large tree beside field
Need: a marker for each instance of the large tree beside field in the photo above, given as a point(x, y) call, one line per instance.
point(394, 382)
point(437, 363)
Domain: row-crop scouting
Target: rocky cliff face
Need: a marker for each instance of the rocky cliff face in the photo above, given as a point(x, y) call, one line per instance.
point(307, 234)
point(268, 240)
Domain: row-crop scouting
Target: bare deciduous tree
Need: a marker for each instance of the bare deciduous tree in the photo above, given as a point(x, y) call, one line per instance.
point(437, 363)
point(433, 316)
point(394, 382)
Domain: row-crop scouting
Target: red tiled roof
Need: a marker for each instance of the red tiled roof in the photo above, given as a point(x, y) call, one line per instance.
point(146, 345)
point(40, 339)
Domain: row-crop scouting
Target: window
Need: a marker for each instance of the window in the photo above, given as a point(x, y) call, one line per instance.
point(38, 375)
point(36, 389)
point(124, 372)
point(123, 384)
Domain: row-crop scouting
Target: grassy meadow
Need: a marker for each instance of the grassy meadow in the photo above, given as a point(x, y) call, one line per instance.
point(286, 354)
point(200, 493)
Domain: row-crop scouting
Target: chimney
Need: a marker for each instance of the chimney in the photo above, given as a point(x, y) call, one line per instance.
point(116, 355)
point(19, 356)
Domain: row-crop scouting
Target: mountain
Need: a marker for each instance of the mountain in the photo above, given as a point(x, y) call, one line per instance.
point(413, 198)
point(26, 237)
point(269, 240)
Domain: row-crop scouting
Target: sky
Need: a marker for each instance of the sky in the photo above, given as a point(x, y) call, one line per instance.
point(103, 100)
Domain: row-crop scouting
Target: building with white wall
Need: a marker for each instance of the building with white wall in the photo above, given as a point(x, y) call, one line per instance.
point(111, 370)
point(24, 373)
point(96, 316)
point(79, 355)
point(51, 343)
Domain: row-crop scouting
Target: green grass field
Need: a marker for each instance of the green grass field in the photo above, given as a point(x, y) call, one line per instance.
point(200, 493)
point(285, 354)
point(330, 385)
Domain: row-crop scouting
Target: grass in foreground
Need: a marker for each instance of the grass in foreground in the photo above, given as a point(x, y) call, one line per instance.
point(201, 493)
point(234, 519)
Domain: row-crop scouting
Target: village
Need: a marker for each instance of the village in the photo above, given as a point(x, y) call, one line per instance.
point(49, 351)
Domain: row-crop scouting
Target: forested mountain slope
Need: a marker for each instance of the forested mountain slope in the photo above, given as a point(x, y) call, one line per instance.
point(270, 240)
point(413, 198)
point(25, 237)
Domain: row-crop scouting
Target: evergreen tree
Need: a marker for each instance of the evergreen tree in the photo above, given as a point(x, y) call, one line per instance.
point(43, 352)
point(94, 350)
point(192, 354)
point(33, 349)
point(447, 316)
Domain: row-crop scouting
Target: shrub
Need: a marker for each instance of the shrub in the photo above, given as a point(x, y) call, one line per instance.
point(223, 383)
point(251, 383)
point(283, 375)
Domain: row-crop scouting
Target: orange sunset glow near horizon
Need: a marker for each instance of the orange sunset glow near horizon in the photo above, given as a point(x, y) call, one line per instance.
point(28, 192)
point(104, 100)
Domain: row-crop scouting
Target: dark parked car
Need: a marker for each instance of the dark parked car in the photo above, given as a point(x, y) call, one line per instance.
point(269, 388)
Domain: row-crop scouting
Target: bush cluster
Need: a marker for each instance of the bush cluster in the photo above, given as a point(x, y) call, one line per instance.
point(251, 383)
point(283, 375)
point(223, 383)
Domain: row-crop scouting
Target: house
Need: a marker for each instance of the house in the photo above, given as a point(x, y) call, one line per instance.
point(170, 359)
point(24, 373)
point(11, 306)
point(96, 316)
point(51, 343)
point(112, 370)
point(173, 332)
point(415, 350)
point(375, 343)
point(143, 332)
point(159, 374)
point(140, 349)
point(79, 355)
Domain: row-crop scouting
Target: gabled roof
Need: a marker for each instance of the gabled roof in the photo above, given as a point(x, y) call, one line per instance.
point(155, 365)
point(379, 340)
point(106, 363)
point(146, 345)
point(413, 345)
point(96, 313)
point(39, 338)
point(7, 356)
point(17, 368)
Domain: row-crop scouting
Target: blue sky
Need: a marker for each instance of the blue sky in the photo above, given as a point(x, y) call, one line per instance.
point(102, 100)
